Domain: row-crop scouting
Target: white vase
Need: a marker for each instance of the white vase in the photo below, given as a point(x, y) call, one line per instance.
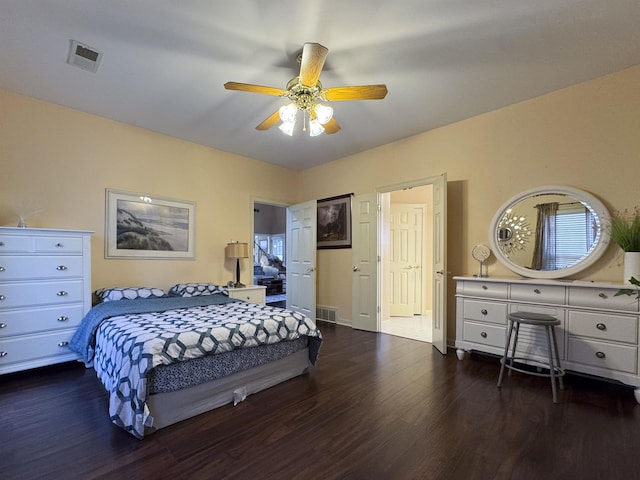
point(631, 266)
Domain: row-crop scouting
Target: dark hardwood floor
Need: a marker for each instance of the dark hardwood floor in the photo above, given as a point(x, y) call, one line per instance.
point(376, 407)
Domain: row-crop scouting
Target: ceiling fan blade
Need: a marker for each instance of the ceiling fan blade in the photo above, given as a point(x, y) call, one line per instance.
point(270, 121)
point(313, 57)
point(331, 127)
point(248, 87)
point(363, 92)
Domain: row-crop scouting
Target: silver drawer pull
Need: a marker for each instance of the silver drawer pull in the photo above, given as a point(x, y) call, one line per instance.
point(600, 355)
point(602, 295)
point(483, 334)
point(601, 326)
point(59, 245)
point(2, 297)
point(536, 290)
point(62, 318)
point(61, 267)
point(484, 311)
point(63, 344)
point(62, 293)
point(484, 287)
point(3, 325)
point(4, 354)
point(2, 269)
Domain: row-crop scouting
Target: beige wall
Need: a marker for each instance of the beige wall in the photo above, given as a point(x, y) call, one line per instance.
point(57, 163)
point(586, 136)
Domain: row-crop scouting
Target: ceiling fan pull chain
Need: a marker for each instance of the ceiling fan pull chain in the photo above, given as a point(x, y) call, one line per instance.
point(304, 120)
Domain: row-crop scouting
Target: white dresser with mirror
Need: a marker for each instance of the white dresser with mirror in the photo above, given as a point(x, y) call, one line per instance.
point(544, 235)
point(598, 334)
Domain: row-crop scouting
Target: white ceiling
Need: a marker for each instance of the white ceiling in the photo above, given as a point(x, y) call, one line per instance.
point(165, 62)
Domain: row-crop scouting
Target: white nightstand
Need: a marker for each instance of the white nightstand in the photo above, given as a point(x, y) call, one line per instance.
point(250, 293)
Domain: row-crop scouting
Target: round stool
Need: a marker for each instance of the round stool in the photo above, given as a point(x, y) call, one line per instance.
point(538, 320)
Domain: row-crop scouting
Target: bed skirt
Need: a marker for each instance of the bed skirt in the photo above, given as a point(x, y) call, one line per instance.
point(172, 407)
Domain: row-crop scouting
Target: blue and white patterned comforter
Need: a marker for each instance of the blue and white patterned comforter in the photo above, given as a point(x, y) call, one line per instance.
point(124, 347)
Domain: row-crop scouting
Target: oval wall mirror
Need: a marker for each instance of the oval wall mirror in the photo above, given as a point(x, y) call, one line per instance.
point(549, 232)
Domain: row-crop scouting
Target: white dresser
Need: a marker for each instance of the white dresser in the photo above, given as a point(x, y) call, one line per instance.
point(250, 293)
point(598, 334)
point(45, 291)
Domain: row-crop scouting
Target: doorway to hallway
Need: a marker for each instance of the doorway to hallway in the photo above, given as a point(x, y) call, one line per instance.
point(269, 251)
point(407, 263)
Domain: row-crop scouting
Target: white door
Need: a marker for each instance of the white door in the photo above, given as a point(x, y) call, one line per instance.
point(439, 328)
point(301, 258)
point(364, 314)
point(405, 234)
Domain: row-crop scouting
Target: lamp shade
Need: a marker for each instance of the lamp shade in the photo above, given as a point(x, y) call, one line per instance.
point(237, 250)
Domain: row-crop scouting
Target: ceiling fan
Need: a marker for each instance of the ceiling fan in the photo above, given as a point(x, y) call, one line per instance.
point(306, 92)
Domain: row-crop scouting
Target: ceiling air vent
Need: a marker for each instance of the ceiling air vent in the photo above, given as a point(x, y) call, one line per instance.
point(85, 57)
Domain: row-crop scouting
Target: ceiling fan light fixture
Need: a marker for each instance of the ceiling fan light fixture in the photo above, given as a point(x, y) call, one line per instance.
point(288, 113)
point(323, 113)
point(315, 128)
point(287, 128)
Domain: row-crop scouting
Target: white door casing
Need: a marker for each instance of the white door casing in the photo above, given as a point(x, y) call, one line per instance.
point(301, 258)
point(439, 261)
point(364, 313)
point(439, 323)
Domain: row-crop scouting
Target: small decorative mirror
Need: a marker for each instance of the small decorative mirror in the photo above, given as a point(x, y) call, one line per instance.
point(549, 232)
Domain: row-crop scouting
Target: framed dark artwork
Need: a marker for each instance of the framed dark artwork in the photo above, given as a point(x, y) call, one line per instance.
point(334, 222)
point(145, 226)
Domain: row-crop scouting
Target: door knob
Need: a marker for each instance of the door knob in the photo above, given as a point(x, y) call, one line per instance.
point(356, 269)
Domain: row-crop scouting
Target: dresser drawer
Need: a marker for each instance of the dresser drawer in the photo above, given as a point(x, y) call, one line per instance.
point(605, 355)
point(251, 295)
point(492, 312)
point(485, 289)
point(58, 244)
point(32, 267)
point(601, 298)
point(15, 243)
point(538, 293)
point(603, 326)
point(33, 347)
point(484, 334)
point(42, 293)
point(18, 322)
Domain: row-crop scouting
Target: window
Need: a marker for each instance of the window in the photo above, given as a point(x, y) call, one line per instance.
point(270, 245)
point(574, 225)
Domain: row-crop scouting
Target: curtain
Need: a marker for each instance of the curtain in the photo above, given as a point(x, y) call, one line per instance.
point(544, 251)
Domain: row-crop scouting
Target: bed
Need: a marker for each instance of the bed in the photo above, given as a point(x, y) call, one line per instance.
point(166, 357)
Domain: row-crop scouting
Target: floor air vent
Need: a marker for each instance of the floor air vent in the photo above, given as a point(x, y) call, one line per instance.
point(327, 314)
point(85, 57)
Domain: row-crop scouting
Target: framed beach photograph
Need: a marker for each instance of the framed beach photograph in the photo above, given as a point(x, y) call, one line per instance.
point(334, 222)
point(147, 226)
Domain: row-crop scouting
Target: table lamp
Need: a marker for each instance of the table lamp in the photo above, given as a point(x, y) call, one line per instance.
point(237, 250)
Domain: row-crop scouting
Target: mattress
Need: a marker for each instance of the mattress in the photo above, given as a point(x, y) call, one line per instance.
point(181, 375)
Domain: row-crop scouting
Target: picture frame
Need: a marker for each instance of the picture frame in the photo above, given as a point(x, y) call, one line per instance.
point(334, 222)
point(148, 226)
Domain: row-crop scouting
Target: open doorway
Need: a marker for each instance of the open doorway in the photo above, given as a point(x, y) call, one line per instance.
point(269, 251)
point(407, 262)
